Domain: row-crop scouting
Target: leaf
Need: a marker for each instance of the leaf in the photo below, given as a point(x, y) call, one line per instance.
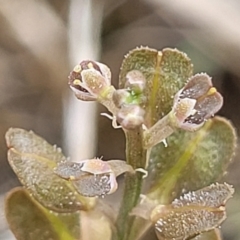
point(33, 160)
point(191, 160)
point(166, 73)
point(94, 226)
point(28, 220)
point(193, 213)
point(210, 235)
point(215, 195)
point(182, 223)
point(29, 142)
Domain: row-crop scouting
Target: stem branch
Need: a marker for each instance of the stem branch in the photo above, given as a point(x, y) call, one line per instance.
point(136, 157)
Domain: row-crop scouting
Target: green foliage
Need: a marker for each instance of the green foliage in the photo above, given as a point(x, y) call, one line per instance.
point(166, 72)
point(30, 220)
point(172, 148)
point(210, 235)
point(191, 160)
point(33, 160)
point(193, 213)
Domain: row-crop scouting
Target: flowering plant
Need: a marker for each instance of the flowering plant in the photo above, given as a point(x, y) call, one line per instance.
point(176, 150)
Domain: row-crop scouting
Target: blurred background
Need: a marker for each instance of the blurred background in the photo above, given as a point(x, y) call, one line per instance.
point(41, 41)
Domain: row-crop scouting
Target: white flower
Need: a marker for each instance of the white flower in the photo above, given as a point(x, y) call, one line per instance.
point(195, 103)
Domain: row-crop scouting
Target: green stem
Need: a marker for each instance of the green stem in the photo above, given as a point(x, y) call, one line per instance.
point(158, 132)
point(105, 98)
point(136, 157)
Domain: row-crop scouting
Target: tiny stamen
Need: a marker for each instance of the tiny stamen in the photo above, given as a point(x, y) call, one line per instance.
point(114, 120)
point(141, 170)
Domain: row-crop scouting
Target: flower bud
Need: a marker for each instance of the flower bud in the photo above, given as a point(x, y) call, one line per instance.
point(121, 97)
point(130, 116)
point(89, 79)
point(135, 81)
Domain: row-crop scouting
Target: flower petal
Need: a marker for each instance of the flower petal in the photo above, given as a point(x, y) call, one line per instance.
point(208, 106)
point(69, 170)
point(197, 86)
point(183, 109)
point(130, 116)
point(88, 79)
point(95, 185)
point(96, 166)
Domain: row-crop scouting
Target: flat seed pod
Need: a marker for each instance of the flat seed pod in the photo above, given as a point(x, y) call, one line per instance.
point(33, 161)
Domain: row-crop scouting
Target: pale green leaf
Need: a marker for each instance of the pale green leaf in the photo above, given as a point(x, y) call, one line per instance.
point(191, 160)
point(28, 220)
point(28, 142)
point(95, 226)
point(193, 213)
point(166, 72)
point(182, 223)
point(210, 235)
point(33, 161)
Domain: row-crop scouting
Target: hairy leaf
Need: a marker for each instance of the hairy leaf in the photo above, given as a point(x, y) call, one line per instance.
point(29, 220)
point(33, 160)
point(191, 160)
point(215, 195)
point(210, 235)
point(185, 222)
point(166, 72)
point(95, 226)
point(193, 213)
point(28, 142)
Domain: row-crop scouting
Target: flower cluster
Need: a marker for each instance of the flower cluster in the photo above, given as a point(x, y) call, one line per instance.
point(130, 99)
point(159, 99)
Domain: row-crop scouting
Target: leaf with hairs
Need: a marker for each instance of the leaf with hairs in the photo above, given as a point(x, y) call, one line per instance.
point(210, 235)
point(191, 160)
point(166, 72)
point(30, 220)
point(95, 225)
point(193, 213)
point(33, 161)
